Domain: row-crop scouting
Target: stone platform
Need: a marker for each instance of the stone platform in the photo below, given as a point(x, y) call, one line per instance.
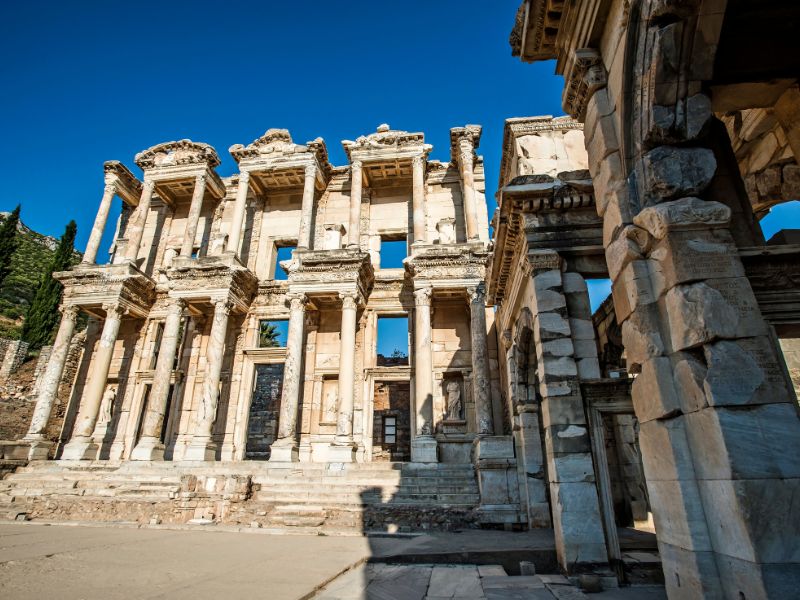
point(331, 497)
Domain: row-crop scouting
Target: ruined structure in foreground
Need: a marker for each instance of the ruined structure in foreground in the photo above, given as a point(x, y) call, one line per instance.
point(691, 112)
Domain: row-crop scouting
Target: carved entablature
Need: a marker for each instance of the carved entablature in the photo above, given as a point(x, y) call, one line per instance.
point(212, 278)
point(774, 275)
point(275, 151)
point(387, 145)
point(539, 193)
point(127, 186)
point(177, 167)
point(92, 286)
point(449, 266)
point(585, 76)
point(330, 271)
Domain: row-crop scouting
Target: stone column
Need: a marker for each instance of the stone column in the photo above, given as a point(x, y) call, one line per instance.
point(81, 446)
point(202, 446)
point(284, 449)
point(468, 182)
point(50, 382)
point(99, 226)
point(235, 236)
point(136, 224)
point(195, 208)
point(418, 198)
point(423, 444)
point(343, 449)
point(307, 208)
point(578, 525)
point(150, 446)
point(354, 228)
point(480, 360)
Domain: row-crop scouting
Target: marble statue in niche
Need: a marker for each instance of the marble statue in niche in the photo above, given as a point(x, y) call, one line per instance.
point(454, 404)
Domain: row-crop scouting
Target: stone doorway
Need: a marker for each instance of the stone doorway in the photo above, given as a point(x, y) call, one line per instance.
point(262, 423)
point(391, 429)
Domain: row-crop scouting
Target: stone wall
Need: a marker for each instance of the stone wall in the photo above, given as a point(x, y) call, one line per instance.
point(392, 399)
point(12, 354)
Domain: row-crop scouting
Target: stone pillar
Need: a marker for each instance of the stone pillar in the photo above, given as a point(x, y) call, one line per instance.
point(343, 449)
point(307, 208)
point(96, 236)
point(195, 208)
point(578, 525)
point(468, 182)
point(418, 198)
point(235, 236)
point(150, 446)
point(354, 228)
point(50, 383)
point(423, 444)
point(480, 360)
point(136, 224)
point(284, 449)
point(202, 446)
point(81, 446)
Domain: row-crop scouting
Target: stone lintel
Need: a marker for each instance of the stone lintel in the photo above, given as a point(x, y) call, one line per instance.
point(448, 265)
point(212, 278)
point(327, 272)
point(91, 286)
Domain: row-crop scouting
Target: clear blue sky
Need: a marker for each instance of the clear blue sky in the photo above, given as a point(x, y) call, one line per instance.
point(89, 81)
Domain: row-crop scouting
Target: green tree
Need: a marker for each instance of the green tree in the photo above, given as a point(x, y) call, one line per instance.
point(8, 242)
point(268, 335)
point(42, 317)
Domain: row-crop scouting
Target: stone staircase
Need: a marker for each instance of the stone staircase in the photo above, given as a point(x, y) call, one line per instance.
point(320, 497)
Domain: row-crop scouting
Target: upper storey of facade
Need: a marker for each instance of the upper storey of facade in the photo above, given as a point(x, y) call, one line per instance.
point(289, 195)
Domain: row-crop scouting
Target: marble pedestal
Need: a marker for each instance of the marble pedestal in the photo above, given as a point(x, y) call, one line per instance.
point(342, 452)
point(80, 448)
point(148, 449)
point(203, 450)
point(424, 450)
point(496, 469)
point(284, 452)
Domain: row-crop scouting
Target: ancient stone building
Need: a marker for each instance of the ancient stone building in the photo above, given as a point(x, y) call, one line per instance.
point(690, 112)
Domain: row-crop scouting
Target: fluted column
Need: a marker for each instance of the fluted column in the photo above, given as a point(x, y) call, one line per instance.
point(81, 446)
point(347, 354)
point(195, 208)
point(480, 360)
point(51, 381)
point(284, 449)
point(202, 447)
point(418, 198)
point(423, 445)
point(150, 446)
point(235, 236)
point(307, 209)
point(354, 228)
point(468, 179)
point(135, 228)
point(96, 236)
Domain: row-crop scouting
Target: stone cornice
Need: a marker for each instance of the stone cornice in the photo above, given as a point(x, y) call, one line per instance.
point(385, 141)
point(276, 145)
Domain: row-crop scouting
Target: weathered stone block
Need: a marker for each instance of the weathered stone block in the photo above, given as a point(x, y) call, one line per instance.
point(653, 391)
point(669, 172)
point(751, 518)
point(548, 300)
point(666, 454)
point(567, 438)
point(685, 214)
point(758, 443)
point(588, 368)
point(549, 326)
point(558, 347)
point(564, 410)
point(744, 371)
point(746, 579)
point(679, 514)
point(690, 573)
point(632, 289)
point(689, 374)
point(641, 337)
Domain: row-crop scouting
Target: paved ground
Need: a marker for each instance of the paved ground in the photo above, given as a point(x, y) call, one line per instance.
point(88, 562)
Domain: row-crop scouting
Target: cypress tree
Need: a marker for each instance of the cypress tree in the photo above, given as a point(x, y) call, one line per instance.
point(8, 242)
point(42, 317)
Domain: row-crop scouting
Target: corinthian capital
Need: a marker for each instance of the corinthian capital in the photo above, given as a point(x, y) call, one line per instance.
point(418, 161)
point(355, 165)
point(349, 299)
point(110, 187)
point(477, 294)
point(114, 309)
point(297, 300)
point(311, 171)
point(69, 311)
point(422, 296)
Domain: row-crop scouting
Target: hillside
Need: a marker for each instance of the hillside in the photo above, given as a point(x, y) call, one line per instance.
point(30, 261)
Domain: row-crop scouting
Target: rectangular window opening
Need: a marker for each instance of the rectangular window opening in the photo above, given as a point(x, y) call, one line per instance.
point(392, 346)
point(393, 250)
point(272, 333)
point(282, 252)
point(389, 430)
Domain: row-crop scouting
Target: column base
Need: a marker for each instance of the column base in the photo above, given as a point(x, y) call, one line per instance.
point(200, 450)
point(342, 452)
point(284, 451)
point(496, 470)
point(424, 450)
point(39, 449)
point(80, 449)
point(148, 448)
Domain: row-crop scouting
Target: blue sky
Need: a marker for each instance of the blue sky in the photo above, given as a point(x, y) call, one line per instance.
point(89, 81)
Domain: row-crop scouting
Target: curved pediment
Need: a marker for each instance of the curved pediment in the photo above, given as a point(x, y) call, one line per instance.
point(182, 152)
point(384, 138)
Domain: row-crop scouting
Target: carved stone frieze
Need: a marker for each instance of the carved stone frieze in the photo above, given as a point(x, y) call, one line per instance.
point(330, 270)
point(586, 76)
point(93, 286)
point(182, 152)
point(212, 278)
point(449, 263)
